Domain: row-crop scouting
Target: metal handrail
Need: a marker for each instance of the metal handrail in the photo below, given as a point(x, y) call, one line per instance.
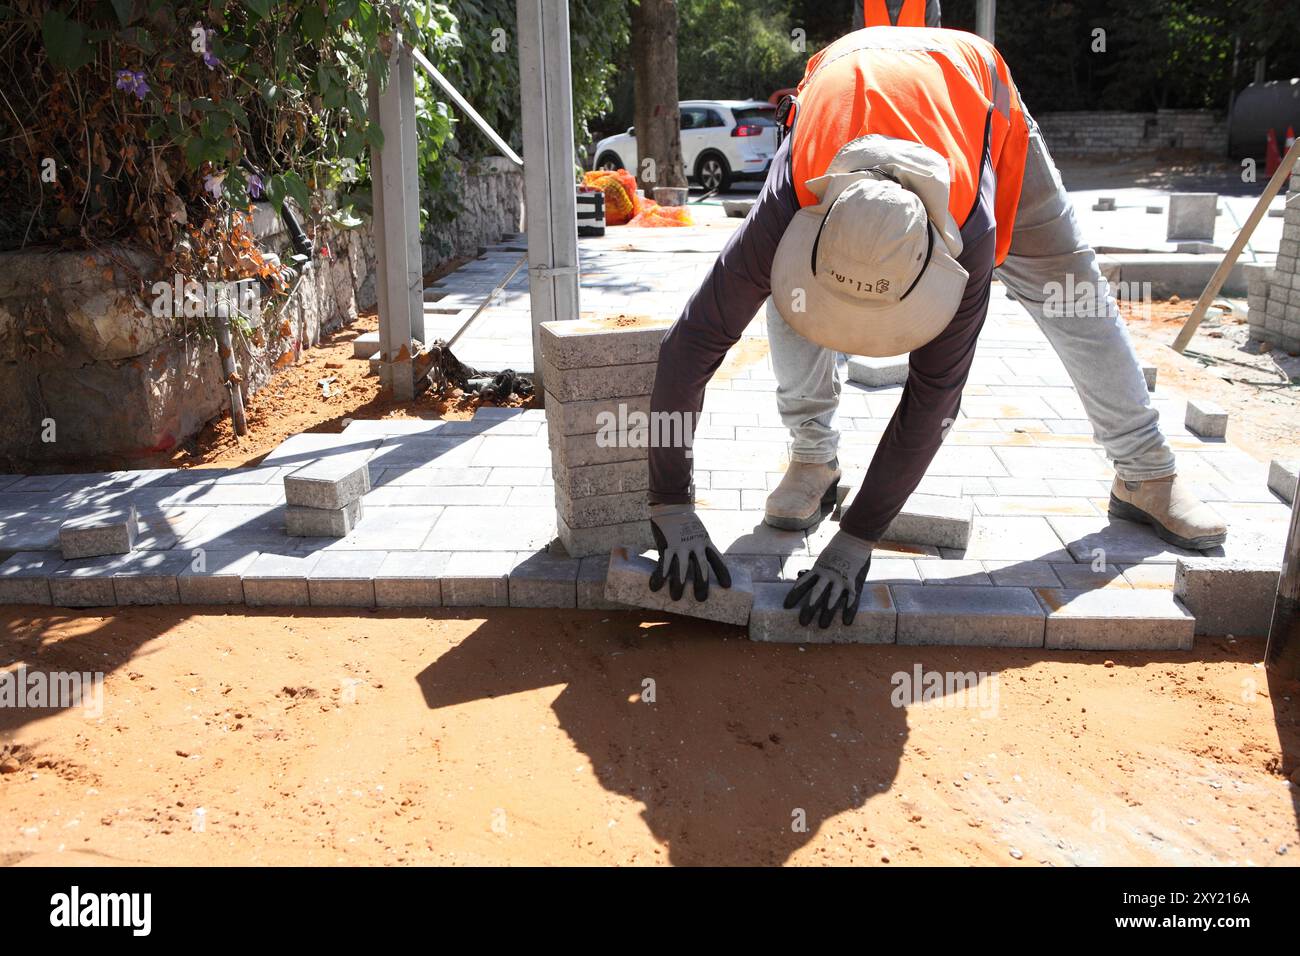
point(463, 104)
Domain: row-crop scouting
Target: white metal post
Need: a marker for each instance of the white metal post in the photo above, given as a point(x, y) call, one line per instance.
point(396, 193)
point(549, 199)
point(985, 15)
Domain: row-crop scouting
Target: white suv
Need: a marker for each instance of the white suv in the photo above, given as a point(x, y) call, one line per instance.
point(722, 141)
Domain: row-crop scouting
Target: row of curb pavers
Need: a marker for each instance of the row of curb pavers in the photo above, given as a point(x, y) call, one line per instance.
point(1209, 597)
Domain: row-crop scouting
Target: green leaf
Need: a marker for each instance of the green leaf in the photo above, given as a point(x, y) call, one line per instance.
point(297, 189)
point(261, 7)
point(124, 9)
point(313, 23)
point(65, 41)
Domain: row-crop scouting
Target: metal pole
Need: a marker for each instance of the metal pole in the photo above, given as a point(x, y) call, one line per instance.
point(463, 105)
point(985, 16)
point(1282, 655)
point(550, 199)
point(396, 194)
point(1230, 257)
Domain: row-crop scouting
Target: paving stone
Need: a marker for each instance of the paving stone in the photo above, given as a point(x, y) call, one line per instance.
point(953, 572)
point(511, 451)
point(493, 529)
point(591, 584)
point(1014, 539)
point(331, 484)
point(1025, 574)
point(599, 382)
point(84, 582)
point(365, 345)
point(1112, 620)
point(602, 510)
point(477, 579)
point(760, 567)
point(769, 621)
point(542, 579)
point(322, 522)
point(968, 615)
point(1206, 419)
point(1191, 216)
point(872, 371)
point(612, 479)
point(411, 579)
point(1227, 597)
point(604, 341)
point(98, 533)
point(149, 577)
point(509, 475)
point(1157, 577)
point(312, 446)
point(1117, 541)
point(628, 582)
point(1086, 577)
point(1282, 478)
point(344, 578)
point(214, 576)
point(278, 580)
point(587, 418)
point(585, 542)
point(25, 577)
point(1053, 463)
point(933, 520)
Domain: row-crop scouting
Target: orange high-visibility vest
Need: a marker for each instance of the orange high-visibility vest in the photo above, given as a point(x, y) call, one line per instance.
point(939, 88)
point(876, 14)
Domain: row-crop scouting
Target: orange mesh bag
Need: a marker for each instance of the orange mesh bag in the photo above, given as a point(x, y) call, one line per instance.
point(654, 215)
point(620, 194)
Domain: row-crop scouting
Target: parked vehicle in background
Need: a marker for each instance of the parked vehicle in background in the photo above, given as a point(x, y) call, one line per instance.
point(722, 141)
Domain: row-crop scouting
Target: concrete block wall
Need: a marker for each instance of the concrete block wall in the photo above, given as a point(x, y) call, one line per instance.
point(1274, 293)
point(1113, 132)
point(597, 375)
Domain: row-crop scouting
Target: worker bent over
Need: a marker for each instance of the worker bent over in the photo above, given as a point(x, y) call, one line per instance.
point(911, 174)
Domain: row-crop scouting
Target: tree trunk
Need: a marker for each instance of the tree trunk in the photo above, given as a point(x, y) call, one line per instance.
point(654, 62)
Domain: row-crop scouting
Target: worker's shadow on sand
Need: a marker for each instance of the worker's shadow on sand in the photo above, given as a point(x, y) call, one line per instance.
point(746, 749)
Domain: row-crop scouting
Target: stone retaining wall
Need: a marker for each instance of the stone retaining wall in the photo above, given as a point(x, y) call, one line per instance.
point(87, 371)
point(1274, 303)
point(1110, 132)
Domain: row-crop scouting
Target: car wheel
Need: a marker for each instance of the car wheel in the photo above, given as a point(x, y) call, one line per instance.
point(713, 173)
point(609, 160)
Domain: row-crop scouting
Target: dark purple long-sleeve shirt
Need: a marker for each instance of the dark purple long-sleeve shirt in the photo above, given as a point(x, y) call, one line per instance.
point(723, 305)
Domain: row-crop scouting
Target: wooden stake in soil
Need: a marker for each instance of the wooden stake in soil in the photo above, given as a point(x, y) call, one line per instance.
point(1282, 656)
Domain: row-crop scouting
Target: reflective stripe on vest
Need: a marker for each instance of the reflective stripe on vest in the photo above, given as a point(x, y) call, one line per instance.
point(875, 13)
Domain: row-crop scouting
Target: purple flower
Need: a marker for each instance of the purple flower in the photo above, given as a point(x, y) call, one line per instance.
point(254, 186)
point(210, 61)
point(132, 81)
point(213, 185)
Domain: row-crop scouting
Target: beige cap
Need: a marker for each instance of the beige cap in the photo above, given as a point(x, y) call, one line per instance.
point(871, 269)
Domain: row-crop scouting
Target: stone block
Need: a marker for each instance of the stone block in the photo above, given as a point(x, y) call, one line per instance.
point(737, 208)
point(542, 579)
point(1108, 619)
point(1024, 574)
point(586, 418)
point(477, 579)
point(1104, 204)
point(598, 448)
point(330, 484)
point(587, 481)
point(25, 577)
point(592, 383)
point(591, 584)
point(769, 621)
point(1282, 479)
point(953, 572)
point(1227, 597)
point(589, 344)
point(84, 582)
point(149, 577)
point(602, 510)
point(875, 371)
point(99, 533)
point(975, 616)
point(365, 345)
point(344, 578)
point(411, 578)
point(1206, 419)
point(302, 522)
point(935, 520)
point(1191, 216)
point(584, 542)
point(628, 582)
point(278, 580)
point(214, 576)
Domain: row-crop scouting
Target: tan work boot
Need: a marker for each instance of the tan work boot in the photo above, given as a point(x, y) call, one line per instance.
point(805, 495)
point(1171, 509)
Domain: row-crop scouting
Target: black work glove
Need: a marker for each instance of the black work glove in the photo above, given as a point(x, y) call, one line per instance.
point(834, 584)
point(685, 552)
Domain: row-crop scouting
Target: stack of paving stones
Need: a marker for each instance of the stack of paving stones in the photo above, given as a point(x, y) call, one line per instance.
point(323, 499)
point(1274, 293)
point(598, 374)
